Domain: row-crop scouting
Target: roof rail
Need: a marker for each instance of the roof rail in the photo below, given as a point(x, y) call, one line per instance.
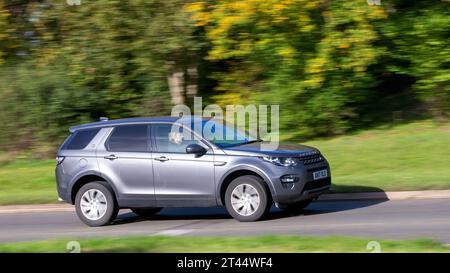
point(104, 119)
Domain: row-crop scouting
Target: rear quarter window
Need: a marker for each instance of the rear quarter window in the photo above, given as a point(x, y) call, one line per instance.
point(80, 139)
point(129, 138)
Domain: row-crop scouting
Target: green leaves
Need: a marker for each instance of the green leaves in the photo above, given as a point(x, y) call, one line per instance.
point(316, 53)
point(420, 36)
point(7, 39)
point(100, 58)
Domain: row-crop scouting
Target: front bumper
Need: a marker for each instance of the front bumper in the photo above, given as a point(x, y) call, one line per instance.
point(305, 188)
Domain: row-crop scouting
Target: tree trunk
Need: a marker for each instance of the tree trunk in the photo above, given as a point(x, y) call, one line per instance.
point(176, 85)
point(182, 84)
point(192, 88)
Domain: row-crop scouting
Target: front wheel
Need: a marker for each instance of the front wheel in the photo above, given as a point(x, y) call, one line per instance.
point(247, 199)
point(95, 204)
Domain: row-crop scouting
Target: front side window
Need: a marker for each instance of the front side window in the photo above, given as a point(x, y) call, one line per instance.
point(80, 139)
point(172, 138)
point(129, 138)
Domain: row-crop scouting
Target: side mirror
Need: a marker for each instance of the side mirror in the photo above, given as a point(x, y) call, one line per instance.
point(195, 149)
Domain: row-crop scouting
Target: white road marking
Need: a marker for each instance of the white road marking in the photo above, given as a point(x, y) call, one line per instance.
point(37, 209)
point(174, 232)
point(393, 196)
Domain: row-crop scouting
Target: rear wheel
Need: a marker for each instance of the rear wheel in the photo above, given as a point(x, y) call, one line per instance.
point(296, 207)
point(145, 212)
point(95, 204)
point(247, 198)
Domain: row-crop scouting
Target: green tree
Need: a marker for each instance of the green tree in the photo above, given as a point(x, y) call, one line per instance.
point(419, 33)
point(101, 58)
point(128, 54)
point(6, 32)
point(311, 57)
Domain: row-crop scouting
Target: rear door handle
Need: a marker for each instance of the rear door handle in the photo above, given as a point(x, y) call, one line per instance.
point(111, 157)
point(161, 158)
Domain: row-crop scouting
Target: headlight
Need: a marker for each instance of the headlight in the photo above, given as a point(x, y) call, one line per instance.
point(281, 161)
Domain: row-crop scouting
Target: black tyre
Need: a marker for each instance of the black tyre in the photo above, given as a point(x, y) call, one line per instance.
point(96, 204)
point(146, 212)
point(247, 198)
point(296, 207)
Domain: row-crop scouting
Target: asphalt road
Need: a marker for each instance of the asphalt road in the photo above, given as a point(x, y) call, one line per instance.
point(406, 219)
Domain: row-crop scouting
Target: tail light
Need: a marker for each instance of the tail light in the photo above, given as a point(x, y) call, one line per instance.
point(59, 160)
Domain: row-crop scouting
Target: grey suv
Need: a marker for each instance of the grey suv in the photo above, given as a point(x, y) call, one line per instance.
point(142, 165)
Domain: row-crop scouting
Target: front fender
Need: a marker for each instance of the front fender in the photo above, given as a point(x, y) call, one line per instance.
point(243, 167)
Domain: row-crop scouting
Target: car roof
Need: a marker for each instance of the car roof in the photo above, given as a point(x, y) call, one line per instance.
point(142, 120)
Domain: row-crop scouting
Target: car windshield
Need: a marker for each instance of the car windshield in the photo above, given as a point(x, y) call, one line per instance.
point(223, 134)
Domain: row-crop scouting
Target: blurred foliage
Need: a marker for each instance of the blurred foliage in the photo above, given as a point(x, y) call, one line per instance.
point(420, 37)
point(333, 66)
point(6, 30)
point(120, 51)
point(320, 60)
point(100, 58)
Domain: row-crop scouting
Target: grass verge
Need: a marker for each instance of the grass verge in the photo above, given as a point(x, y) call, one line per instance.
point(28, 182)
point(270, 244)
point(405, 157)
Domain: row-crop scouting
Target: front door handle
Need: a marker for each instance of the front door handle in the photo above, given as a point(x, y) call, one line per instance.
point(161, 158)
point(111, 157)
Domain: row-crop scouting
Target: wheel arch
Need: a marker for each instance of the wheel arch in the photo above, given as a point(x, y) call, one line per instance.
point(237, 172)
point(85, 178)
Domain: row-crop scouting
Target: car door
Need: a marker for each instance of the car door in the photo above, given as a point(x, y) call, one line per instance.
point(127, 161)
point(181, 179)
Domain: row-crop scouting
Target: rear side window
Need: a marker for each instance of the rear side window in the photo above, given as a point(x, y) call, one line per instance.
point(80, 139)
point(129, 138)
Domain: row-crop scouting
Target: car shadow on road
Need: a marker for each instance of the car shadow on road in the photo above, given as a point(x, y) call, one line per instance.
point(354, 189)
point(168, 214)
point(328, 205)
point(220, 213)
point(324, 207)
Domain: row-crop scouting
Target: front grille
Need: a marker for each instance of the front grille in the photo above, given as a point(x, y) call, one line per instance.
point(311, 185)
point(311, 158)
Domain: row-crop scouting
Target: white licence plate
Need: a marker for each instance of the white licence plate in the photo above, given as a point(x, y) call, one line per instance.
point(320, 174)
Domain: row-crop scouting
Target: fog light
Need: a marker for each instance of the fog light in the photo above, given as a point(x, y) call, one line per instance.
point(289, 178)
